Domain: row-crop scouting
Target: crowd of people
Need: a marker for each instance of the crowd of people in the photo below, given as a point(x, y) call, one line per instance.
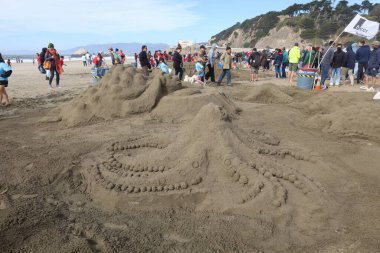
point(357, 62)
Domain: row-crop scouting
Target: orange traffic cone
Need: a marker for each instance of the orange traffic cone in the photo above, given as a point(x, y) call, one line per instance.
point(317, 83)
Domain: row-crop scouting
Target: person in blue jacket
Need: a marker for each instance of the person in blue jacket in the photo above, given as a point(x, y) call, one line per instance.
point(373, 66)
point(5, 72)
point(164, 68)
point(278, 62)
point(362, 57)
point(349, 64)
point(285, 62)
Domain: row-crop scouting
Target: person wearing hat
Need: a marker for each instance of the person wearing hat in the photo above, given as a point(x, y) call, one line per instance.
point(55, 67)
point(226, 60)
point(5, 72)
point(177, 62)
point(373, 66)
point(143, 58)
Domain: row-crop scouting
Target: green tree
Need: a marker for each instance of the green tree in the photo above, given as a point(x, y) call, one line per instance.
point(367, 6)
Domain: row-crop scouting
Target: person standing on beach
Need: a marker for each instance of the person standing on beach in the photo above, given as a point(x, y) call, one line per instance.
point(84, 60)
point(326, 64)
point(254, 62)
point(203, 55)
point(122, 56)
point(110, 51)
point(294, 59)
point(362, 57)
point(144, 61)
point(42, 59)
point(9, 63)
point(177, 62)
point(5, 72)
point(373, 66)
point(285, 62)
point(211, 63)
point(337, 64)
point(349, 65)
point(226, 59)
point(55, 67)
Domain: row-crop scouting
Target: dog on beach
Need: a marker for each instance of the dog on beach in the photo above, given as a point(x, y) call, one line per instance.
point(190, 79)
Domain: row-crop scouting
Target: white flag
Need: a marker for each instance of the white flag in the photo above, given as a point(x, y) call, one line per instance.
point(363, 27)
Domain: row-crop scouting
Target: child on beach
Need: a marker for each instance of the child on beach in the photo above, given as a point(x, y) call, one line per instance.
point(164, 68)
point(200, 71)
point(5, 72)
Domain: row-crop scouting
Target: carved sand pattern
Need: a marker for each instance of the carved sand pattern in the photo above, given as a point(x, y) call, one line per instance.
point(184, 165)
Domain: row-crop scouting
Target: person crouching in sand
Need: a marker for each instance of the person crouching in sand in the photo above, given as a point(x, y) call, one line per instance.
point(5, 72)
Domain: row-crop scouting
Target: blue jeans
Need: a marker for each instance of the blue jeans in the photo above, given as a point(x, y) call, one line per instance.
point(337, 72)
point(325, 72)
point(223, 74)
point(278, 71)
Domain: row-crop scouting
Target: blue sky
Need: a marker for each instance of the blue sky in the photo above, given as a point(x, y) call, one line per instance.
point(32, 24)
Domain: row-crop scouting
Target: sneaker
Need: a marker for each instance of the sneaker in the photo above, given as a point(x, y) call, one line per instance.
point(371, 89)
point(363, 87)
point(324, 87)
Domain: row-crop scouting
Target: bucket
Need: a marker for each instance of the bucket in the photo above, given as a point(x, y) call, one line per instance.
point(97, 74)
point(306, 78)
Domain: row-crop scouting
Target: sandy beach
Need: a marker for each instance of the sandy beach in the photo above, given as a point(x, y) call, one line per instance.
point(146, 164)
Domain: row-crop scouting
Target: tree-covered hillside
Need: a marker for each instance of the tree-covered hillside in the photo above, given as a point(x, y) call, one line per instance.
point(317, 19)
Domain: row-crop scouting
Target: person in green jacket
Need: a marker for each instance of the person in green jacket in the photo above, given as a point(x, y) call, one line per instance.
point(294, 58)
point(309, 58)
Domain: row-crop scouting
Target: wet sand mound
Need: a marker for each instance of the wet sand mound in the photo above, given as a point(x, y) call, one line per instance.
point(264, 94)
point(344, 114)
point(183, 105)
point(210, 162)
point(123, 91)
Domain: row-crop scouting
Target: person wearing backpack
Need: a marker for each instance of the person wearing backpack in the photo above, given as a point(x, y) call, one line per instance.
point(254, 61)
point(5, 72)
point(52, 58)
point(117, 57)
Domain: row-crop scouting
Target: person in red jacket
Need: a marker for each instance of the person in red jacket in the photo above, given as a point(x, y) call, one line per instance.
point(122, 56)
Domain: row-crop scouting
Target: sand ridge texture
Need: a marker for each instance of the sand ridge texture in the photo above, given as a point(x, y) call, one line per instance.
point(192, 172)
point(123, 91)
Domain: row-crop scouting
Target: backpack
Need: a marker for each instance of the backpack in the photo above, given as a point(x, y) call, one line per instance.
point(6, 74)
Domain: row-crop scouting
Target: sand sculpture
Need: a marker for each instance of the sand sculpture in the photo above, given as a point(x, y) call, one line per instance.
point(208, 155)
point(123, 91)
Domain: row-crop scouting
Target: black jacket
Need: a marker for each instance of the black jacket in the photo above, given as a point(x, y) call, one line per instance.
point(143, 57)
point(338, 59)
point(177, 60)
point(349, 58)
point(254, 60)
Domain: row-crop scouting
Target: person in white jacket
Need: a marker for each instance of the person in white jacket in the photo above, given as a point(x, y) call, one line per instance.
point(211, 63)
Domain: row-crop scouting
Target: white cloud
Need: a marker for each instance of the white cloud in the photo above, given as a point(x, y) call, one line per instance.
point(97, 16)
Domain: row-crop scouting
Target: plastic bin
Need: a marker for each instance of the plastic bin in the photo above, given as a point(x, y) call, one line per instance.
point(306, 78)
point(97, 74)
